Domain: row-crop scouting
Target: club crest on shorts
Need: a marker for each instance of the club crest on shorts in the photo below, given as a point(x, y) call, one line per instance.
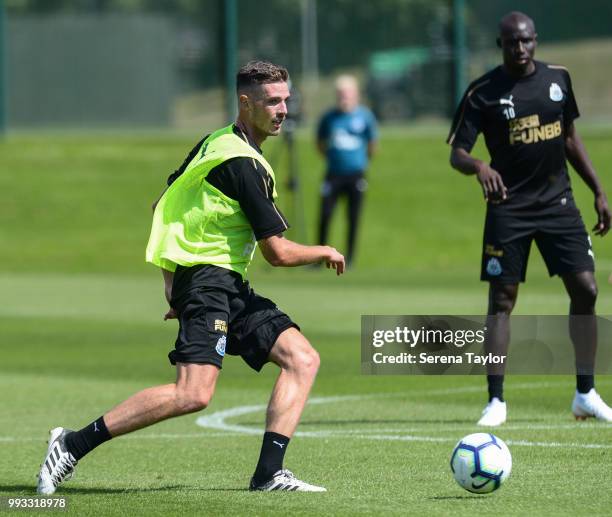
point(220, 348)
point(494, 267)
point(555, 92)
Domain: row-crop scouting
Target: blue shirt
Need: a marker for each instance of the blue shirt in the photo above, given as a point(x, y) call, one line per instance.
point(347, 136)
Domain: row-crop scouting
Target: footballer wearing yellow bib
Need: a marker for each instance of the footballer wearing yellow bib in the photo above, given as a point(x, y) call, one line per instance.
point(220, 205)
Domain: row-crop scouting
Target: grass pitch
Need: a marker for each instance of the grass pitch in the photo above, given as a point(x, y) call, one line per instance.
point(81, 329)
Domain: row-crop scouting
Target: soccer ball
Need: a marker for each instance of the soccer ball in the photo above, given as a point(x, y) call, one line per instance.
point(481, 462)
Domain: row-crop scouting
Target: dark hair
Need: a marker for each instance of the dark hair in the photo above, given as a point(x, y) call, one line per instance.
point(260, 72)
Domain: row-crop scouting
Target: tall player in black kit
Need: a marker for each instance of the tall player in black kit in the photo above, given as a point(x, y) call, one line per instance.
point(526, 111)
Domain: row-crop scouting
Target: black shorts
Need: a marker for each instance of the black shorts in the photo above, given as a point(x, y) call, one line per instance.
point(232, 318)
point(335, 185)
point(560, 236)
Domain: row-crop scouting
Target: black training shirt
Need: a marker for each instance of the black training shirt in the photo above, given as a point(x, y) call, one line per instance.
point(248, 182)
point(524, 124)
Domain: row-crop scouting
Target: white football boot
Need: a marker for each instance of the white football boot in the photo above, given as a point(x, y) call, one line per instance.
point(590, 404)
point(285, 480)
point(58, 465)
point(493, 414)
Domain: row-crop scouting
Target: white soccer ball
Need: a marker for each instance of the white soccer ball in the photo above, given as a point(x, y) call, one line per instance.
point(481, 462)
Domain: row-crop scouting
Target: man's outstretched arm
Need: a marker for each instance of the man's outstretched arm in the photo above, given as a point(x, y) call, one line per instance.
point(577, 155)
point(282, 252)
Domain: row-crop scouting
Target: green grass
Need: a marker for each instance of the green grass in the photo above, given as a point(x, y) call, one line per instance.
point(81, 329)
point(82, 204)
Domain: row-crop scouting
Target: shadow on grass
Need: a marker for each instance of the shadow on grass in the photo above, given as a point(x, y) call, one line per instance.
point(14, 490)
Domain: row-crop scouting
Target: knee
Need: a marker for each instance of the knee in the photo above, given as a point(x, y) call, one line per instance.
point(308, 361)
point(586, 296)
point(190, 401)
point(305, 362)
point(313, 361)
point(591, 292)
point(502, 306)
point(502, 299)
point(294, 354)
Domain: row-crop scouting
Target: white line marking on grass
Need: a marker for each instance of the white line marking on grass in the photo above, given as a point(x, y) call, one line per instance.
point(11, 439)
point(526, 443)
point(212, 421)
point(217, 421)
point(469, 389)
point(570, 445)
point(442, 426)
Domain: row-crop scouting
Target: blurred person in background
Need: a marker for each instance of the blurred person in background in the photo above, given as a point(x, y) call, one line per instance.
point(526, 111)
point(347, 136)
point(218, 207)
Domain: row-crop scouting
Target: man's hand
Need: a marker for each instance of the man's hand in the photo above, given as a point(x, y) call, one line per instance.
point(603, 214)
point(335, 260)
point(491, 181)
point(170, 315)
point(168, 279)
point(493, 187)
point(279, 251)
point(578, 157)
